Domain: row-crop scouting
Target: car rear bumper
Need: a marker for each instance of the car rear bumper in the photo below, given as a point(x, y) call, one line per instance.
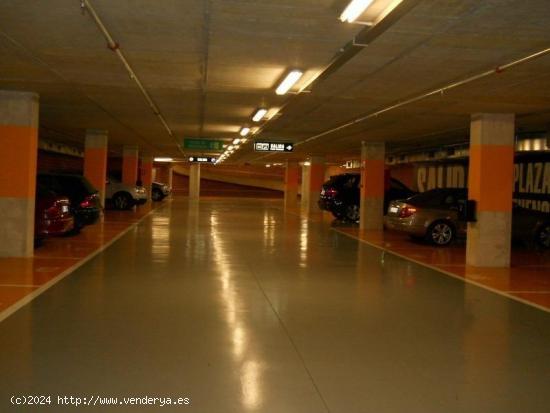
point(331, 205)
point(407, 225)
point(55, 227)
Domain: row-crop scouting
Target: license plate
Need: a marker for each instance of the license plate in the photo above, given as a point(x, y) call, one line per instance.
point(394, 209)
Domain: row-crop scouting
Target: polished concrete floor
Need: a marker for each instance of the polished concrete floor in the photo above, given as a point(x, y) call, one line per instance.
point(243, 308)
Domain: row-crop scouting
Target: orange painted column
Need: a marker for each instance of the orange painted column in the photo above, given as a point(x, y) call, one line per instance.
point(147, 174)
point(304, 192)
point(292, 182)
point(18, 155)
point(315, 180)
point(490, 184)
point(95, 159)
point(130, 165)
point(371, 212)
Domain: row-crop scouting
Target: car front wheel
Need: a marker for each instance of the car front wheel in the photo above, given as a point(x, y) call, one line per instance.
point(440, 233)
point(122, 201)
point(352, 213)
point(157, 195)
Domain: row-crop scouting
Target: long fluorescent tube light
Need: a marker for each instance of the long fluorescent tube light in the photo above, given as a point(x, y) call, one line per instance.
point(289, 81)
point(355, 9)
point(245, 131)
point(164, 159)
point(260, 113)
point(272, 112)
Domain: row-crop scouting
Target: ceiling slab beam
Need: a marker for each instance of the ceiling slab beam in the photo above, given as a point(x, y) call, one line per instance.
point(115, 47)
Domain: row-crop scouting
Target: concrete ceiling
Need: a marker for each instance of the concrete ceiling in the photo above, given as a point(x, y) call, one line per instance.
point(208, 64)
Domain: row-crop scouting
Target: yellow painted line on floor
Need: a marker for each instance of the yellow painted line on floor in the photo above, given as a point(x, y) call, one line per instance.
point(442, 271)
point(31, 296)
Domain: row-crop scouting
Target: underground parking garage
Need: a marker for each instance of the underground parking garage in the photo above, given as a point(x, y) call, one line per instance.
point(292, 206)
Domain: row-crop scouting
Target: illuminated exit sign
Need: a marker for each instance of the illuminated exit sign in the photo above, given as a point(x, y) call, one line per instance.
point(203, 144)
point(273, 146)
point(202, 159)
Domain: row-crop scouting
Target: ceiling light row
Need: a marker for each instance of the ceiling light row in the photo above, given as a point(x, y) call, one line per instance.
point(235, 145)
point(288, 82)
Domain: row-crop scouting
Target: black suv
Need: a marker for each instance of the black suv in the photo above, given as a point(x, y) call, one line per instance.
point(341, 195)
point(85, 202)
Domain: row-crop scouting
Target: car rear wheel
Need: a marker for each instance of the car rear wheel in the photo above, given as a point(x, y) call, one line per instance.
point(440, 233)
point(157, 195)
point(122, 201)
point(352, 213)
point(542, 237)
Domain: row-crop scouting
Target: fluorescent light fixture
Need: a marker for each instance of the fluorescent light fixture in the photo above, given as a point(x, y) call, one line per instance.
point(260, 113)
point(272, 112)
point(244, 131)
point(307, 163)
point(230, 148)
point(164, 159)
point(268, 166)
point(236, 141)
point(289, 81)
point(355, 9)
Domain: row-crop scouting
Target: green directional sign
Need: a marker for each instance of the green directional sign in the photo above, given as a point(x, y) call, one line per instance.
point(199, 144)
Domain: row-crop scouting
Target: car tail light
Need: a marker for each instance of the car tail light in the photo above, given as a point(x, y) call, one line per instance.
point(331, 192)
point(58, 208)
point(89, 201)
point(407, 211)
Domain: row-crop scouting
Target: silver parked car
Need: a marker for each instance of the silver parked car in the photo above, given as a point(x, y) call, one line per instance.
point(159, 191)
point(439, 217)
point(121, 196)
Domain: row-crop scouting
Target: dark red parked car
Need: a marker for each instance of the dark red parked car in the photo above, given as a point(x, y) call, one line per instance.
point(52, 214)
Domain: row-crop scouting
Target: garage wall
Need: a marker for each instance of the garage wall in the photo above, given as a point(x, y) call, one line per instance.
point(55, 162)
point(531, 177)
point(209, 187)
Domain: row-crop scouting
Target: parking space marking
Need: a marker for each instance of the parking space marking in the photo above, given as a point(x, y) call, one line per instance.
point(79, 262)
point(448, 273)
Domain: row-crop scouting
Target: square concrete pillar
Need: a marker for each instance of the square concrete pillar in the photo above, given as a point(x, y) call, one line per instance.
point(305, 184)
point(292, 181)
point(490, 184)
point(315, 180)
point(371, 212)
point(147, 174)
point(130, 165)
point(95, 159)
point(18, 155)
point(194, 181)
